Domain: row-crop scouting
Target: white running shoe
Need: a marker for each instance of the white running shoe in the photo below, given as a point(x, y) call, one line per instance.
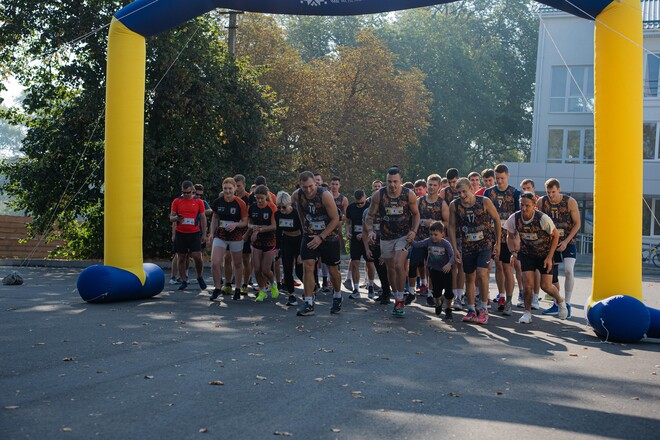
point(563, 311)
point(535, 304)
point(526, 318)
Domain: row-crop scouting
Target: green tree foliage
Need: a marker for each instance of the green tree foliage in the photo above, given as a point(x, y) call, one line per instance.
point(479, 59)
point(204, 117)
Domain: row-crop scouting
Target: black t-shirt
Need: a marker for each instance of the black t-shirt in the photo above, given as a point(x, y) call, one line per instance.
point(354, 214)
point(287, 222)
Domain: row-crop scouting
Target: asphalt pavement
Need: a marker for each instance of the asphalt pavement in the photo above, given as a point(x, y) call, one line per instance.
point(178, 366)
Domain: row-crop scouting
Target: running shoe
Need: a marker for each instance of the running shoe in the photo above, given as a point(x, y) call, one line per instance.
point(526, 317)
point(297, 284)
point(423, 289)
point(244, 290)
point(383, 299)
point(548, 297)
point(449, 316)
point(501, 303)
point(497, 298)
point(274, 291)
point(237, 294)
point(507, 308)
point(398, 308)
point(410, 298)
point(563, 311)
point(568, 306)
point(535, 304)
point(183, 285)
point(226, 289)
point(202, 283)
point(457, 305)
point(355, 294)
point(261, 296)
point(438, 309)
point(552, 310)
point(292, 301)
point(306, 309)
point(482, 317)
point(430, 301)
point(370, 292)
point(521, 301)
point(348, 284)
point(216, 293)
point(336, 305)
point(470, 317)
point(173, 281)
point(325, 289)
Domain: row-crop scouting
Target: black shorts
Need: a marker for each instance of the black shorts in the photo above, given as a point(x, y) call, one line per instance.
point(505, 253)
point(418, 258)
point(247, 247)
point(328, 251)
point(481, 259)
point(358, 251)
point(190, 242)
point(441, 282)
point(531, 263)
point(375, 252)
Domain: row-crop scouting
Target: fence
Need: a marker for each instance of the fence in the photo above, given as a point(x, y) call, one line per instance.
point(12, 230)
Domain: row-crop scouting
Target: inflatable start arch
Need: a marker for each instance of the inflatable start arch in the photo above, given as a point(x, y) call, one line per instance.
point(615, 307)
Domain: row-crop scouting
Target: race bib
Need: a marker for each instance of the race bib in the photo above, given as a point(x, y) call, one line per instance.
point(286, 223)
point(188, 221)
point(358, 228)
point(474, 236)
point(436, 251)
point(224, 223)
point(394, 210)
point(529, 236)
point(317, 226)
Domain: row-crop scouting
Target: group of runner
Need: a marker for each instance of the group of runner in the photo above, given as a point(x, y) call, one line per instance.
point(442, 234)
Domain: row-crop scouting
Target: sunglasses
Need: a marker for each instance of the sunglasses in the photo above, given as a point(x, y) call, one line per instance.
point(281, 207)
point(186, 192)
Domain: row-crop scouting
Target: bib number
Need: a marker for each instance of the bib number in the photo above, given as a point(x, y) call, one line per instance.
point(317, 226)
point(394, 210)
point(188, 221)
point(358, 228)
point(474, 236)
point(224, 223)
point(286, 223)
point(529, 236)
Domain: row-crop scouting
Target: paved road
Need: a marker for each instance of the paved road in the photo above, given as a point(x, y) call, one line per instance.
point(143, 369)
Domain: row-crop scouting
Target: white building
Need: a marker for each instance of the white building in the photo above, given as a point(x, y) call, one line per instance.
point(563, 127)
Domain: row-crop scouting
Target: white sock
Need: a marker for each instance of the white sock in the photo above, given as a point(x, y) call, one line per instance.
point(336, 294)
point(309, 300)
point(398, 295)
point(535, 297)
point(371, 283)
point(484, 304)
point(423, 282)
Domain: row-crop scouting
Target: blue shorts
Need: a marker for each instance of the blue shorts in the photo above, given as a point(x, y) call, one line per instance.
point(569, 252)
point(481, 259)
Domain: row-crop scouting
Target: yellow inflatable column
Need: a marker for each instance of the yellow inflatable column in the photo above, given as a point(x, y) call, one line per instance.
point(124, 132)
point(617, 266)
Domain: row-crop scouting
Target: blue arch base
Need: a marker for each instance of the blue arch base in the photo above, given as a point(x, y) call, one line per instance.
point(622, 318)
point(102, 284)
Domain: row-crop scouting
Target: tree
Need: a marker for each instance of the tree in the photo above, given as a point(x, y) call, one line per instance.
point(479, 59)
point(206, 117)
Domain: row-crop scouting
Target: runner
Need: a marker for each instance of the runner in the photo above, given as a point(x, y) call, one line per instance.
point(527, 185)
point(190, 217)
point(475, 181)
point(440, 261)
point(290, 236)
point(488, 178)
point(228, 226)
point(474, 223)
point(449, 194)
point(320, 219)
point(261, 215)
point(506, 199)
point(354, 230)
point(376, 185)
point(563, 210)
point(342, 204)
point(538, 240)
point(420, 188)
point(432, 208)
point(397, 207)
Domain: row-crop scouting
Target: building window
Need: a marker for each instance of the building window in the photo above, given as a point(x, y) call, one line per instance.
point(650, 143)
point(572, 89)
point(571, 145)
point(650, 217)
point(651, 76)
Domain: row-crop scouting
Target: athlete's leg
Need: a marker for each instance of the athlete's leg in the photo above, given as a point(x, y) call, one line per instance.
point(217, 260)
point(569, 282)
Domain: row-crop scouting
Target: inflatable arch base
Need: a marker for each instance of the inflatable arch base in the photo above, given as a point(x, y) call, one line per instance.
point(623, 318)
point(103, 284)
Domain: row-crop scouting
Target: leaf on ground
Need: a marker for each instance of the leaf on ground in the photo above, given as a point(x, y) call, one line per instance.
point(66, 429)
point(260, 343)
point(148, 377)
point(11, 407)
point(69, 359)
point(216, 382)
point(331, 376)
point(326, 350)
point(350, 362)
point(335, 430)
point(204, 430)
point(573, 354)
point(261, 378)
point(118, 343)
point(357, 394)
point(499, 393)
point(635, 398)
point(417, 401)
point(181, 322)
point(283, 433)
point(420, 352)
point(318, 379)
point(289, 381)
point(453, 394)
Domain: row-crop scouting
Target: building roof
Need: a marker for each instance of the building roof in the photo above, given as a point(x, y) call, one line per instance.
point(650, 13)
